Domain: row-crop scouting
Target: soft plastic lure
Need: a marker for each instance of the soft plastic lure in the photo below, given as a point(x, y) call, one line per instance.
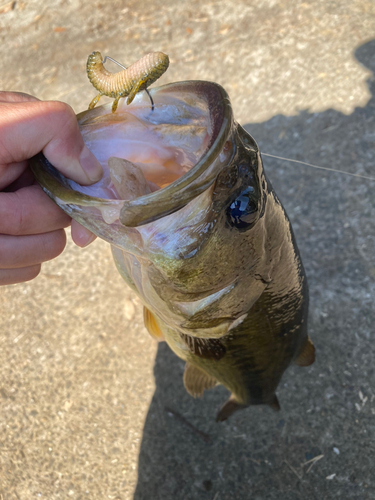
point(127, 82)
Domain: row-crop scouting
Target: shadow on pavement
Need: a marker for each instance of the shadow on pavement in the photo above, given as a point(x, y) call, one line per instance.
point(326, 409)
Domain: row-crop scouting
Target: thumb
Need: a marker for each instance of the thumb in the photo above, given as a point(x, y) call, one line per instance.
point(28, 127)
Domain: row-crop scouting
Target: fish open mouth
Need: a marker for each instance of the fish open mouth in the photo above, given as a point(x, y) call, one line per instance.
point(154, 162)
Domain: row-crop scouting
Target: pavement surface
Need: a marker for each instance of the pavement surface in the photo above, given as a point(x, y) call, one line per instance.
point(90, 406)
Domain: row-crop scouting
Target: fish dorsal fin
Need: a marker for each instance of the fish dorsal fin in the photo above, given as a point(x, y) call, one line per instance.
point(196, 381)
point(151, 325)
point(306, 356)
point(274, 404)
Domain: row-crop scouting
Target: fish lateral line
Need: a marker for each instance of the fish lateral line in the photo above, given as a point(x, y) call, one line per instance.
point(320, 167)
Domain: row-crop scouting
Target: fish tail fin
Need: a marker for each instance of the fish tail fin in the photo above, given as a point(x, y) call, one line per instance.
point(228, 409)
point(196, 381)
point(306, 356)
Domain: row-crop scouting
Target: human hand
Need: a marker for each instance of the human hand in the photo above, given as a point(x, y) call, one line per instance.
point(31, 225)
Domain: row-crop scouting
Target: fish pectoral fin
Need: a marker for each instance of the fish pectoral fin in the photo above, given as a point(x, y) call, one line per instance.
point(135, 90)
point(196, 381)
point(228, 409)
point(151, 325)
point(274, 404)
point(306, 356)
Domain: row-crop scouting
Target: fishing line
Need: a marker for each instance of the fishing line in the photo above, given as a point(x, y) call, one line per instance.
point(320, 168)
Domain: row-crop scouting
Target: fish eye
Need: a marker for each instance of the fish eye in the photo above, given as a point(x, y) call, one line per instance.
point(243, 211)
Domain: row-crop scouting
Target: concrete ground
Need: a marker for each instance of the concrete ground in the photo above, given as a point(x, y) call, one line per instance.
point(90, 406)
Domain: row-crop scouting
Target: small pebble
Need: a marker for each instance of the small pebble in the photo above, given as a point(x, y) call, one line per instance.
point(337, 451)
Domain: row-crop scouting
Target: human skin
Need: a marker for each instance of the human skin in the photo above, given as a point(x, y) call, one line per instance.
point(31, 225)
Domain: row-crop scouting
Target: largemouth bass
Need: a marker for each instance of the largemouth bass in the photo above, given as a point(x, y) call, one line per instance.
point(200, 236)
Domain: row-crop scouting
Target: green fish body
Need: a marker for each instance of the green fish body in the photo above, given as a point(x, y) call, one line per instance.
point(199, 234)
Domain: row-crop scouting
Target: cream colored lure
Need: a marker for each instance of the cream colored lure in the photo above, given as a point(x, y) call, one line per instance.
point(127, 82)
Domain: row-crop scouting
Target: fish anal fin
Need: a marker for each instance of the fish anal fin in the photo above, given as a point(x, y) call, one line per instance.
point(306, 356)
point(274, 404)
point(151, 325)
point(196, 381)
point(228, 409)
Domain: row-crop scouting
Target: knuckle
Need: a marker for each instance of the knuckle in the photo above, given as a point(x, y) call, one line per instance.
point(19, 226)
point(60, 241)
point(64, 132)
point(17, 218)
point(61, 114)
point(59, 108)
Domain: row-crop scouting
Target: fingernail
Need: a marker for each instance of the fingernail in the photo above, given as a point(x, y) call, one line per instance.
point(90, 165)
point(81, 236)
point(89, 240)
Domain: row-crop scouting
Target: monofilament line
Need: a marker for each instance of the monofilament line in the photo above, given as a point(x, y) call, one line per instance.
point(320, 168)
